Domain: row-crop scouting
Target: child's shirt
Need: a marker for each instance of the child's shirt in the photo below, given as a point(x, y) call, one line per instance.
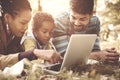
point(29, 42)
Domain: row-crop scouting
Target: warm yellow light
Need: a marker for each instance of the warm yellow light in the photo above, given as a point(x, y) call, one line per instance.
point(34, 4)
point(53, 7)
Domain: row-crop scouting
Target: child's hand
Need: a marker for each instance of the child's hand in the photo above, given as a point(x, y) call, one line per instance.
point(50, 55)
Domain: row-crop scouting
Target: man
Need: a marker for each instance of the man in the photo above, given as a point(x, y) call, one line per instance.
point(80, 20)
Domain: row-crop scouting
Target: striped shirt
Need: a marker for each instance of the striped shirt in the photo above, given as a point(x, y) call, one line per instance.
point(63, 30)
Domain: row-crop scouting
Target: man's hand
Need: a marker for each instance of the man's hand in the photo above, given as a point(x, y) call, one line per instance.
point(107, 55)
point(111, 55)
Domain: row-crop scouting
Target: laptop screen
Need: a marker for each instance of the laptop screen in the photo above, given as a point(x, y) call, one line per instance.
point(79, 48)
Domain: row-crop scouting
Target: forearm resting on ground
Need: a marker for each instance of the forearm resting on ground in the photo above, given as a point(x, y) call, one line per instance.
point(107, 55)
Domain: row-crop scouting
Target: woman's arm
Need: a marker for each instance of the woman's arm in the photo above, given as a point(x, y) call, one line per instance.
point(6, 60)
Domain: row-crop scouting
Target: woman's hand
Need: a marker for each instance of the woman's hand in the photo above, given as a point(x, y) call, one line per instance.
point(50, 55)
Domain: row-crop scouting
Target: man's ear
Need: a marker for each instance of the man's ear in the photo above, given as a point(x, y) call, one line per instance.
point(8, 18)
point(91, 14)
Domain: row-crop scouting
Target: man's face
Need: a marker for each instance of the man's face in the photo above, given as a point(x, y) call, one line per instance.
point(79, 21)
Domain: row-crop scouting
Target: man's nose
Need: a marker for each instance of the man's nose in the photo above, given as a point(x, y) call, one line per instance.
point(77, 22)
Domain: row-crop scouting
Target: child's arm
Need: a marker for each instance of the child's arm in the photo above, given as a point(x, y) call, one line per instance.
point(50, 45)
point(29, 44)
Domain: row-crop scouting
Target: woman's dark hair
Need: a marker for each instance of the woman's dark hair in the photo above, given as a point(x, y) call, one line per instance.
point(39, 18)
point(82, 6)
point(13, 6)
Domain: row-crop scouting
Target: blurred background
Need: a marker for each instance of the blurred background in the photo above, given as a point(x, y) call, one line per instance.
point(53, 7)
point(108, 12)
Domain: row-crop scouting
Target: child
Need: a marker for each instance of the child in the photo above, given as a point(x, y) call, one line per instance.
point(42, 28)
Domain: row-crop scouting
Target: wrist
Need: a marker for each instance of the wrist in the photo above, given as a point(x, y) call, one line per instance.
point(28, 54)
point(94, 55)
point(38, 53)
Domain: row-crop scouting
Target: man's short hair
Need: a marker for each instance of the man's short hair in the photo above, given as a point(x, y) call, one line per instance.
point(82, 6)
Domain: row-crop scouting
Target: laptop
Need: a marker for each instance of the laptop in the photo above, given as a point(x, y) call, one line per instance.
point(79, 49)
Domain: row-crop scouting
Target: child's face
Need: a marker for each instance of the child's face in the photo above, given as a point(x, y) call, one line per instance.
point(79, 21)
point(44, 33)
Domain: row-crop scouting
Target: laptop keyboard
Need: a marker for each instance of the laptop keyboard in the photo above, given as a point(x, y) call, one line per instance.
point(55, 67)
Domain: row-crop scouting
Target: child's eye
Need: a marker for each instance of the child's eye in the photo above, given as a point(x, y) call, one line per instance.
point(44, 31)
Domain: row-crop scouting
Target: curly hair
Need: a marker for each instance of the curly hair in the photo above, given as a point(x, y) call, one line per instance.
point(39, 18)
point(82, 6)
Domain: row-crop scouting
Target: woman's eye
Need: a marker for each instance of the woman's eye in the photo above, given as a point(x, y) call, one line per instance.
point(23, 23)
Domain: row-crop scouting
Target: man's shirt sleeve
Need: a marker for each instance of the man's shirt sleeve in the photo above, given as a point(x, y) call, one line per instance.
point(95, 29)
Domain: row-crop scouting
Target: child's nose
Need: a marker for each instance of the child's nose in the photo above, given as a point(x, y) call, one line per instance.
point(48, 35)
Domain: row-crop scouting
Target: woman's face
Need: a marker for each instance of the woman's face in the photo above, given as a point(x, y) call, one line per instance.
point(44, 33)
point(19, 23)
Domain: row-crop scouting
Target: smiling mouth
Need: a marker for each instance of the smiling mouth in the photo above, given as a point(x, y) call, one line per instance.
point(78, 27)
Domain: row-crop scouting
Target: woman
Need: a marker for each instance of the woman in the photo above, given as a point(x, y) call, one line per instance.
point(13, 22)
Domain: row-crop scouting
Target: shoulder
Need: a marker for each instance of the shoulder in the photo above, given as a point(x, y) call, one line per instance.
point(62, 21)
point(62, 18)
point(62, 15)
point(27, 36)
point(61, 24)
point(94, 21)
point(94, 25)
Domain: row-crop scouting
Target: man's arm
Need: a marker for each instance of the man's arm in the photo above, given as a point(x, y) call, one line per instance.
point(60, 38)
point(95, 29)
point(106, 55)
